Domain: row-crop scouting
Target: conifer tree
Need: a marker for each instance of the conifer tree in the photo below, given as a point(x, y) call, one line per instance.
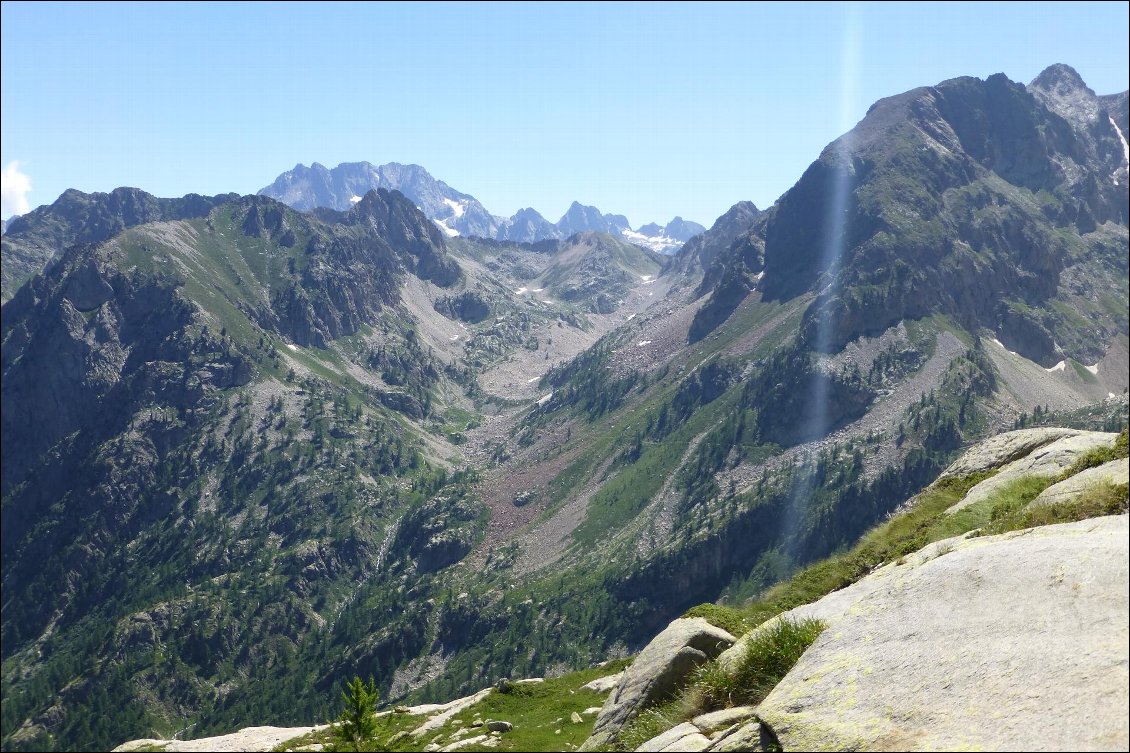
point(358, 723)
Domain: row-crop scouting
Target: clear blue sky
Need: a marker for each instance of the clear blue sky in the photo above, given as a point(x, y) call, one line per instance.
point(648, 110)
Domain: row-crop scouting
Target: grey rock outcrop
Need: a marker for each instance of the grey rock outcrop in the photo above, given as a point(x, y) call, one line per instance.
point(726, 730)
point(1115, 472)
point(698, 254)
point(1049, 460)
point(1004, 448)
point(603, 684)
point(970, 644)
point(684, 737)
point(716, 720)
point(657, 673)
point(749, 736)
point(247, 739)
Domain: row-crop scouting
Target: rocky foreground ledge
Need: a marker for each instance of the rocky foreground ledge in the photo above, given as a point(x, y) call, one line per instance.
point(247, 739)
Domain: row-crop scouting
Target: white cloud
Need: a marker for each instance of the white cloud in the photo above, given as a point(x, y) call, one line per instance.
point(14, 188)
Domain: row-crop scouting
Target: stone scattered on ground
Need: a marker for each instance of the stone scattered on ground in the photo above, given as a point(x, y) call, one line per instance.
point(479, 740)
point(657, 672)
point(575, 718)
point(498, 725)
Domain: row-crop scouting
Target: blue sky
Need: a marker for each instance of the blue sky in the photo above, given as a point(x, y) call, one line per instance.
point(648, 110)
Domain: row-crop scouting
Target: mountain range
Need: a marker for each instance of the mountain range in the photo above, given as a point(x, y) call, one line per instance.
point(458, 213)
point(252, 449)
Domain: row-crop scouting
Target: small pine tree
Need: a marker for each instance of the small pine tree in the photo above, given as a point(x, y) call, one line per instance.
point(358, 723)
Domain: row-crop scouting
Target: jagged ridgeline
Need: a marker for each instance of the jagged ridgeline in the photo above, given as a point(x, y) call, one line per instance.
point(250, 452)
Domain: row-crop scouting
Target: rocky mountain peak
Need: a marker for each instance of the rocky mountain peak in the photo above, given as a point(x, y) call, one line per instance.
point(1059, 78)
point(1061, 89)
point(682, 230)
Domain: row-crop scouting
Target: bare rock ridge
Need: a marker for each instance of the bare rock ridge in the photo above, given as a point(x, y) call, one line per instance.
point(1047, 461)
point(32, 240)
point(456, 213)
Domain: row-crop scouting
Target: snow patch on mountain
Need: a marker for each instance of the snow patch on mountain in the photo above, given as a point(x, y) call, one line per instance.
point(457, 207)
point(451, 232)
point(661, 243)
point(1122, 138)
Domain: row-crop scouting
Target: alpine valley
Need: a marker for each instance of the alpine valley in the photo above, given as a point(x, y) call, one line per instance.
point(356, 425)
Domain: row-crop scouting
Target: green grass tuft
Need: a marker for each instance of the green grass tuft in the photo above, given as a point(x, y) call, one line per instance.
point(767, 659)
point(650, 723)
point(1101, 499)
point(729, 619)
point(1100, 455)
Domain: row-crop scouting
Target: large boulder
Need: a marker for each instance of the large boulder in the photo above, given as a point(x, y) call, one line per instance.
point(657, 673)
point(1004, 448)
point(1115, 472)
point(729, 729)
point(749, 736)
point(1017, 641)
point(603, 684)
point(1049, 460)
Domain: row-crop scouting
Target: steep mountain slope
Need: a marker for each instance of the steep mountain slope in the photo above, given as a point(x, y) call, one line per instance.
point(1037, 600)
point(256, 401)
point(31, 241)
point(976, 199)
